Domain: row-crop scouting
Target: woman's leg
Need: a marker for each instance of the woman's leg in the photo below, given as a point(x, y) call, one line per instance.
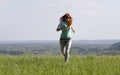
point(62, 46)
point(68, 46)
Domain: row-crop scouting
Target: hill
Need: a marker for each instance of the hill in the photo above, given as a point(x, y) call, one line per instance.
point(115, 46)
point(52, 47)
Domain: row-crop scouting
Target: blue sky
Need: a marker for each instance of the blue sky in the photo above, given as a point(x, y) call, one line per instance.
point(38, 19)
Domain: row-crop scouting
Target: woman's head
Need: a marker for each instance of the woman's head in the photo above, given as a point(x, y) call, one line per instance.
point(67, 18)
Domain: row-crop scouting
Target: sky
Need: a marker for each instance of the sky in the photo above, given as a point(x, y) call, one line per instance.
point(38, 19)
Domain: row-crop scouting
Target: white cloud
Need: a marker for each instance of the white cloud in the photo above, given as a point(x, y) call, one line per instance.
point(86, 8)
point(89, 5)
point(73, 3)
point(89, 13)
point(82, 3)
point(92, 4)
point(89, 9)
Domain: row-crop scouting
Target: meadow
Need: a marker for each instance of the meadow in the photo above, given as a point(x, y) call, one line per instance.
point(55, 65)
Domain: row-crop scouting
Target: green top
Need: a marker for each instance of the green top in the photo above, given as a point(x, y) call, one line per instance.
point(66, 31)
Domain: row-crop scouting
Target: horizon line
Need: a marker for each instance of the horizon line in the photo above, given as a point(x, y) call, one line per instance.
point(58, 40)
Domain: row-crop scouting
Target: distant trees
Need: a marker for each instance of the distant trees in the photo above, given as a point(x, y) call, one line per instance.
point(38, 49)
point(115, 46)
point(12, 52)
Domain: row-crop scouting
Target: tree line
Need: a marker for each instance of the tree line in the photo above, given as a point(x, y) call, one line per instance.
point(54, 49)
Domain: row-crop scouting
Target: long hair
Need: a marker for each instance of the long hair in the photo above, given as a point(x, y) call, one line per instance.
point(64, 19)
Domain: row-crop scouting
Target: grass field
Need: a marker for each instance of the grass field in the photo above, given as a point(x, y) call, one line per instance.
point(55, 65)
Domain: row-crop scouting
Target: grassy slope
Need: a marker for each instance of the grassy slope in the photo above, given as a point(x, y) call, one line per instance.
point(54, 65)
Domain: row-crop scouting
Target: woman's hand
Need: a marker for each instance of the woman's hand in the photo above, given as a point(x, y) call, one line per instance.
point(73, 30)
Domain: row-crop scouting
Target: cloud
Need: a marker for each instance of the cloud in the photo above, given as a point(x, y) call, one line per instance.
point(73, 3)
point(89, 13)
point(92, 4)
point(88, 5)
point(82, 3)
point(89, 9)
point(86, 8)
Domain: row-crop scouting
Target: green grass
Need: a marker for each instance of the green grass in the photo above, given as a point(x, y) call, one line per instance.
point(55, 65)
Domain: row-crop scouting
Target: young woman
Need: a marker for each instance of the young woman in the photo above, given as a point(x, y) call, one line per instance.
point(65, 39)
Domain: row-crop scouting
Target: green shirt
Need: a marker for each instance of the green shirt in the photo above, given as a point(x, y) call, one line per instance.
point(66, 31)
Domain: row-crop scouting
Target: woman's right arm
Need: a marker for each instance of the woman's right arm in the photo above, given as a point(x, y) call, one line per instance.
point(58, 28)
point(61, 26)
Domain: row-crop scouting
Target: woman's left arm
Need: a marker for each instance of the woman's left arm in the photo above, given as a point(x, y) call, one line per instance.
point(73, 30)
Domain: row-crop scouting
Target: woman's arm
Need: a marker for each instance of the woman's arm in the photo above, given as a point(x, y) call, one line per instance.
point(61, 28)
point(73, 30)
point(58, 28)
